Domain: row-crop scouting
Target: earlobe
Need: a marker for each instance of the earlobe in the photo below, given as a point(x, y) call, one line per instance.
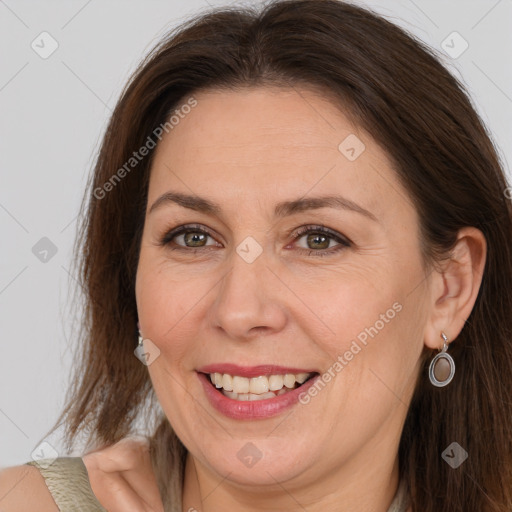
point(455, 288)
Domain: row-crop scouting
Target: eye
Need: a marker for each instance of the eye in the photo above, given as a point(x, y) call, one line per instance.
point(190, 236)
point(318, 239)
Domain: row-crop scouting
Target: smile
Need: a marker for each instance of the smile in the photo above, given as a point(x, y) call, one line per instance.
point(257, 388)
point(257, 392)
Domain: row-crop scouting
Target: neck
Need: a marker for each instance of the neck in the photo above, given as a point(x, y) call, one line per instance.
point(343, 490)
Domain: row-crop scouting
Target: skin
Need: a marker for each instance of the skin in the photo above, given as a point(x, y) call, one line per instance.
point(248, 150)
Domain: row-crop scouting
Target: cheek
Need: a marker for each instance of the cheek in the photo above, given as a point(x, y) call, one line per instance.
point(373, 327)
point(162, 309)
point(350, 305)
point(169, 306)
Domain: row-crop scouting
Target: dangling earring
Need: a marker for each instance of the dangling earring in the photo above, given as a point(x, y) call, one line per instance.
point(147, 352)
point(139, 349)
point(442, 367)
point(140, 336)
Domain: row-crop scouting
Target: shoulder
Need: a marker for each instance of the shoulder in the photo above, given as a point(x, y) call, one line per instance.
point(122, 477)
point(23, 488)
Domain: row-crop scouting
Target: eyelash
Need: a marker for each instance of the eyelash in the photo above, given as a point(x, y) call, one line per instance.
point(343, 242)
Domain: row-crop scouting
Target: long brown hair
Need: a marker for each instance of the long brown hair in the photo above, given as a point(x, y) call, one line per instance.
point(394, 87)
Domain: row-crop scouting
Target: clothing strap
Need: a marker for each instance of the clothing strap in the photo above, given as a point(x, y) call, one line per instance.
point(68, 482)
point(401, 500)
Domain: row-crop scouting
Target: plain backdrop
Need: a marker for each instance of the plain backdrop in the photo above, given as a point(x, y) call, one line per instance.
point(53, 113)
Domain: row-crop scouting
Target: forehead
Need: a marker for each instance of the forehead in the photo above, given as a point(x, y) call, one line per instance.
point(270, 144)
point(288, 119)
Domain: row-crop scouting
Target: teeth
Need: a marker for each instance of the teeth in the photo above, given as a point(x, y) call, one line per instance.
point(227, 382)
point(289, 380)
point(302, 377)
point(248, 397)
point(259, 387)
point(275, 382)
point(242, 385)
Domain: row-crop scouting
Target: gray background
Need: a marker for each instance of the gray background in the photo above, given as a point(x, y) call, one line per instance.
point(53, 113)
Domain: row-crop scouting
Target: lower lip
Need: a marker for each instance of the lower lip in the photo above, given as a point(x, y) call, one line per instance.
point(251, 410)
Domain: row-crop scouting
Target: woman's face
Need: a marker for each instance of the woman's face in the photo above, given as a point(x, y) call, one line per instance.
point(244, 287)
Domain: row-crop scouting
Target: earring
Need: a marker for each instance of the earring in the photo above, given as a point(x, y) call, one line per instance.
point(140, 344)
point(139, 349)
point(442, 367)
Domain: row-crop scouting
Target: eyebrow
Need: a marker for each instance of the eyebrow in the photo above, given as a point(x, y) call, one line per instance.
point(282, 209)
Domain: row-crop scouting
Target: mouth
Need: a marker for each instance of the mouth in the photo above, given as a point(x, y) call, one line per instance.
point(261, 387)
point(254, 392)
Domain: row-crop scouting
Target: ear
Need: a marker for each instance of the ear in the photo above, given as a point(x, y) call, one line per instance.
point(454, 289)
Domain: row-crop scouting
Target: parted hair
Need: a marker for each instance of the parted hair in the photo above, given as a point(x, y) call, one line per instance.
point(398, 90)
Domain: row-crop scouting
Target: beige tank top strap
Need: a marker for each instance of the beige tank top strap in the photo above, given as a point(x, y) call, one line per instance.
point(401, 500)
point(68, 482)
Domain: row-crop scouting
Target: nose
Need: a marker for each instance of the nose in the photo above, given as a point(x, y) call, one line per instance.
point(249, 301)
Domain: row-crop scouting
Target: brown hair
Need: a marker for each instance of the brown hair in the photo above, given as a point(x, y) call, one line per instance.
point(395, 88)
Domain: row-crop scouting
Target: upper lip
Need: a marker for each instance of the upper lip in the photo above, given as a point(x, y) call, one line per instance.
point(251, 371)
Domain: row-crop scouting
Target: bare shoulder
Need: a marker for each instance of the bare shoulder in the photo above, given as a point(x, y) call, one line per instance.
point(122, 478)
point(23, 488)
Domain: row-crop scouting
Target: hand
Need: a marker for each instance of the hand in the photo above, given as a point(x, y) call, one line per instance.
point(122, 477)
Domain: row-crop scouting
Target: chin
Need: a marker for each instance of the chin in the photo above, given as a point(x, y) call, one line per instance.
point(258, 462)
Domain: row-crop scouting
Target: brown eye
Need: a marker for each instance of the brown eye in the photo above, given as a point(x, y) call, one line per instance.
point(184, 237)
point(318, 240)
point(194, 238)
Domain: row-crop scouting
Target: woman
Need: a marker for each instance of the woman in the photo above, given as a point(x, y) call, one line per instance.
point(299, 224)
